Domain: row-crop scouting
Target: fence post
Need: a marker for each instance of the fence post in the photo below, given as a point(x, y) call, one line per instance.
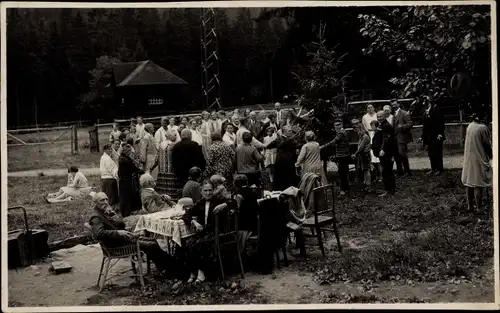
point(72, 143)
point(75, 138)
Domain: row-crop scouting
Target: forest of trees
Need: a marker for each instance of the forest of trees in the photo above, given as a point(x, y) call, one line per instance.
point(51, 53)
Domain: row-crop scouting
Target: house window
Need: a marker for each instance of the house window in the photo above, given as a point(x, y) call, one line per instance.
point(155, 101)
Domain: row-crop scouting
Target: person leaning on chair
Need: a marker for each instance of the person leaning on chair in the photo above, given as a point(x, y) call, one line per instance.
point(109, 229)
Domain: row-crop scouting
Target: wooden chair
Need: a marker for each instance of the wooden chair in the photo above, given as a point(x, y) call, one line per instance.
point(320, 220)
point(226, 233)
point(131, 252)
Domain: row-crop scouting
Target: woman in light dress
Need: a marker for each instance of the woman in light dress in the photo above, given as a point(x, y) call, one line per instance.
point(147, 148)
point(477, 172)
point(309, 159)
point(205, 131)
point(370, 116)
point(77, 187)
point(270, 153)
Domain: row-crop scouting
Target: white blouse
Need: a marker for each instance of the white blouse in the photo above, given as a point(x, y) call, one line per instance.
point(196, 136)
point(108, 167)
point(229, 139)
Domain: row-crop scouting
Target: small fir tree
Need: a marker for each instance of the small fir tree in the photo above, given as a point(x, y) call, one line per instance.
point(323, 87)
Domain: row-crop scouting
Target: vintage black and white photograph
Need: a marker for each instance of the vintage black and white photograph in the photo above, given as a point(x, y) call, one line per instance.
point(232, 153)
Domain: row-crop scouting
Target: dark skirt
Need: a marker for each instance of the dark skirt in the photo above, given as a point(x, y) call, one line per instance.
point(200, 250)
point(169, 184)
point(110, 187)
point(130, 198)
point(363, 161)
point(285, 174)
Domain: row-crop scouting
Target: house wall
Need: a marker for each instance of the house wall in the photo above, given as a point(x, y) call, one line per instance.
point(136, 100)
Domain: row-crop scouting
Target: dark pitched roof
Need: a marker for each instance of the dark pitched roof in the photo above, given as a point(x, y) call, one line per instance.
point(144, 73)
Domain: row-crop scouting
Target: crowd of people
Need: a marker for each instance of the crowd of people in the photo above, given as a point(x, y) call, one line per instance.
point(260, 147)
point(209, 163)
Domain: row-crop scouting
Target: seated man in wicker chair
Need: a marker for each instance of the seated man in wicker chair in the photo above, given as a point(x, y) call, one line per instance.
point(109, 229)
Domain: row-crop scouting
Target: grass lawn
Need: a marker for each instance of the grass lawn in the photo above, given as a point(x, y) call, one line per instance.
point(61, 220)
point(56, 155)
point(420, 246)
point(422, 235)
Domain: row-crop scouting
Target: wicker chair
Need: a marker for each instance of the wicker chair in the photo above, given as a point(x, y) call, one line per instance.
point(226, 233)
point(131, 252)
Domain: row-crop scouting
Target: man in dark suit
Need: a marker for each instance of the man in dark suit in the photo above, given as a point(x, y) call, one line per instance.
point(185, 155)
point(433, 136)
point(384, 147)
point(253, 125)
point(402, 124)
point(224, 121)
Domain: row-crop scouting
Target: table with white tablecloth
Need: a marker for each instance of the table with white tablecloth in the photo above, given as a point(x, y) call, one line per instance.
point(163, 224)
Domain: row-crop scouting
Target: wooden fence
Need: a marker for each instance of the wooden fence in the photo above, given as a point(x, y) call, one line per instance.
point(72, 129)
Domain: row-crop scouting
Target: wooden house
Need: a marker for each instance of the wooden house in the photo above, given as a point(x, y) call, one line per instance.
point(145, 88)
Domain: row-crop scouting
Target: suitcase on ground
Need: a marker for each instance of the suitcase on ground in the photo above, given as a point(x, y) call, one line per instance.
point(25, 246)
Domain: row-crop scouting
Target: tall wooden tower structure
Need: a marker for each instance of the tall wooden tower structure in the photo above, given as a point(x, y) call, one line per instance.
point(210, 76)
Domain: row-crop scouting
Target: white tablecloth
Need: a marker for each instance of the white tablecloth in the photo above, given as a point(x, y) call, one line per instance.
point(160, 223)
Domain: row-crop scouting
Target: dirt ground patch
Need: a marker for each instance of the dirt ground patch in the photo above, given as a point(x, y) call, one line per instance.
point(36, 286)
point(290, 286)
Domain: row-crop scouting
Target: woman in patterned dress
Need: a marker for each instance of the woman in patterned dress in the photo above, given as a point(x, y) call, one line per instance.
point(167, 182)
point(220, 158)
